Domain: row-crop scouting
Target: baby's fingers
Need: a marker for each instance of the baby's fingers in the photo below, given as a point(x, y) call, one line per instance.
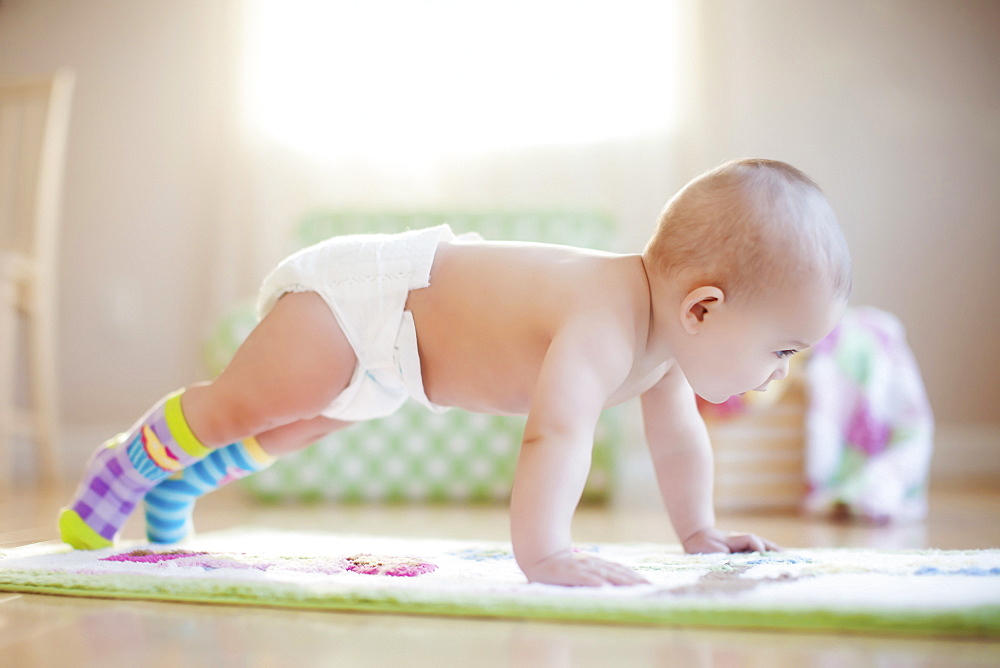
point(772, 546)
point(624, 576)
point(582, 570)
point(612, 573)
point(746, 543)
point(584, 579)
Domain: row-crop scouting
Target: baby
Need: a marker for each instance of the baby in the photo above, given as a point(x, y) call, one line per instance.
point(746, 268)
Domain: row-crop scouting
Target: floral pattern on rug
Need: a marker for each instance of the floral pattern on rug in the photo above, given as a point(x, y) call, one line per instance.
point(363, 564)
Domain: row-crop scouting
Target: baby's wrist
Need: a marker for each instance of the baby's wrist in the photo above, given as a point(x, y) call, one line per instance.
point(698, 533)
point(552, 557)
point(531, 559)
point(706, 539)
point(537, 568)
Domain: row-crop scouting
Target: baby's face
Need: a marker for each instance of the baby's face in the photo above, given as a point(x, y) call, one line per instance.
point(745, 346)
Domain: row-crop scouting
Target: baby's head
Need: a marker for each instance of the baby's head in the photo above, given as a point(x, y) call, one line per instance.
point(756, 267)
point(749, 226)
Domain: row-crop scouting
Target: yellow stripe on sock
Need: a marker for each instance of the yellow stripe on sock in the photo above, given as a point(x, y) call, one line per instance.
point(76, 532)
point(179, 428)
point(253, 448)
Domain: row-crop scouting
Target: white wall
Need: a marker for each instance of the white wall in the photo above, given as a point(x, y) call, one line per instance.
point(141, 160)
point(891, 106)
point(894, 108)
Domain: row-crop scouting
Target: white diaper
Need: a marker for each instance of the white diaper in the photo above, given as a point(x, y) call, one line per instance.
point(365, 280)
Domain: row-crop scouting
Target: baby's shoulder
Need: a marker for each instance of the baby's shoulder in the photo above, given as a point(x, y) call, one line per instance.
point(613, 298)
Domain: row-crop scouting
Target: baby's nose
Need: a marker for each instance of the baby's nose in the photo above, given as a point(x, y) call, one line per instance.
point(781, 372)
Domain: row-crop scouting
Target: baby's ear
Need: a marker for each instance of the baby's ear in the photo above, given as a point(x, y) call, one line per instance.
point(698, 305)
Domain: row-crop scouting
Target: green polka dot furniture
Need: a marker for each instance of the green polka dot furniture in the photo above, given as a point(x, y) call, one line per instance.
point(416, 455)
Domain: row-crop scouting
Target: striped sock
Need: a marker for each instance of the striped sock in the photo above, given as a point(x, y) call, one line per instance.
point(170, 505)
point(122, 470)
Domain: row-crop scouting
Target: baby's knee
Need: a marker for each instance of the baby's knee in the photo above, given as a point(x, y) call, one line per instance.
point(217, 417)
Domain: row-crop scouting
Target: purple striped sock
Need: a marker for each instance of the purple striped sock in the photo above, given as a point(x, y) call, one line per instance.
point(121, 471)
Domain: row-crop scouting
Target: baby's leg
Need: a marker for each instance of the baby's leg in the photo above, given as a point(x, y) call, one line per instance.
point(298, 435)
point(170, 505)
point(294, 363)
point(290, 368)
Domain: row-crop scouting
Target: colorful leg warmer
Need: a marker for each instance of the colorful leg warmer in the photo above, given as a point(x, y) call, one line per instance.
point(122, 470)
point(170, 505)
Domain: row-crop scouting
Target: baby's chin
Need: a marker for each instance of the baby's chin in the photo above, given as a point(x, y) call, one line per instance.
point(726, 397)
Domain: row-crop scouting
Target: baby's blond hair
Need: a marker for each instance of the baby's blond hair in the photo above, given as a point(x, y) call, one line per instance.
point(748, 225)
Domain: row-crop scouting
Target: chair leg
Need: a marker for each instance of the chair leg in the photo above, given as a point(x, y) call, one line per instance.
point(42, 373)
point(8, 373)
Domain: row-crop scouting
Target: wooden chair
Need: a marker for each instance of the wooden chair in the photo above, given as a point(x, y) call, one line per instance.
point(34, 115)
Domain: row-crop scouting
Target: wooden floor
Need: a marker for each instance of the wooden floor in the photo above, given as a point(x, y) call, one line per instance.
point(56, 631)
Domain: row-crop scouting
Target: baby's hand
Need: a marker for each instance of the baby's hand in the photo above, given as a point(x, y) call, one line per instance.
point(576, 569)
point(713, 540)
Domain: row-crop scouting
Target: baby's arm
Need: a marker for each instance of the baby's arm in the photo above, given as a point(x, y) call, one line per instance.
point(682, 458)
point(552, 467)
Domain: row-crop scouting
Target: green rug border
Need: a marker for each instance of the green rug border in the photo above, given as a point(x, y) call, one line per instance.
point(981, 622)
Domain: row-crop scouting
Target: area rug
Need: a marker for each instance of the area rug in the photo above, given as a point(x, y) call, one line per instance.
point(905, 592)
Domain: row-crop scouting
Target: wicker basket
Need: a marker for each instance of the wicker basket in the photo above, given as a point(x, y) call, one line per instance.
point(760, 452)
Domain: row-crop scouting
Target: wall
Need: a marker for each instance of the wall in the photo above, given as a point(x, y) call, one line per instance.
point(141, 164)
point(892, 107)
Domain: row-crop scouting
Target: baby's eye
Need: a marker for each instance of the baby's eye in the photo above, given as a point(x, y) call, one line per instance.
point(782, 354)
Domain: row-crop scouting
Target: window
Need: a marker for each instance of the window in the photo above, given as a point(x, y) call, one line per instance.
point(398, 79)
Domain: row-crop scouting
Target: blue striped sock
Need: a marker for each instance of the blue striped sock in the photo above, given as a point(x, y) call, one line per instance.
point(170, 505)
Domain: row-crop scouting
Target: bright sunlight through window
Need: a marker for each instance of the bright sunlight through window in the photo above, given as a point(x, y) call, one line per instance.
point(405, 78)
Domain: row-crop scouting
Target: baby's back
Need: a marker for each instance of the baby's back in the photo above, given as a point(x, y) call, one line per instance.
point(486, 321)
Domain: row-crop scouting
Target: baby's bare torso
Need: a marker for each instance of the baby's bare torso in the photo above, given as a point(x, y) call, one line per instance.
point(485, 323)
